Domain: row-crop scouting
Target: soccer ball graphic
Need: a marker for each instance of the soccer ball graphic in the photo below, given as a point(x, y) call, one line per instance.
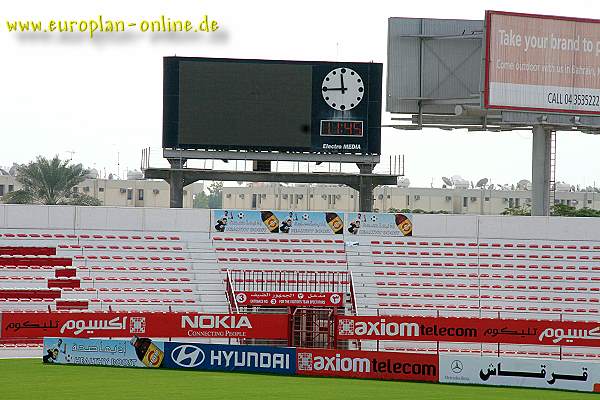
point(241, 215)
point(305, 217)
point(374, 218)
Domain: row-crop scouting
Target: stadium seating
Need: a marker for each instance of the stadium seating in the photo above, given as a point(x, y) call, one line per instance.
point(68, 258)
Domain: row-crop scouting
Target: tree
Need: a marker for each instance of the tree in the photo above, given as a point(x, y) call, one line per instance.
point(201, 200)
point(416, 211)
point(525, 210)
point(564, 210)
point(215, 195)
point(50, 182)
point(214, 199)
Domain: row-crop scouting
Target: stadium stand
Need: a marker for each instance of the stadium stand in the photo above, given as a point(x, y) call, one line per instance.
point(102, 258)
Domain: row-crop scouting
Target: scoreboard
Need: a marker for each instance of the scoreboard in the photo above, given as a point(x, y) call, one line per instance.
point(272, 105)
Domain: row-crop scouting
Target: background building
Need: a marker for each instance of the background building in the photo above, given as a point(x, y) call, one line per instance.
point(121, 193)
point(451, 200)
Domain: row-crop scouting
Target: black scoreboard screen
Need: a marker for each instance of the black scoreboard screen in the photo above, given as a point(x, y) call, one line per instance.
point(265, 105)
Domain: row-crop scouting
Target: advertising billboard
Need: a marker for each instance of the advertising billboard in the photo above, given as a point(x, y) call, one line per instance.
point(379, 224)
point(291, 106)
point(115, 324)
point(368, 364)
point(289, 299)
point(477, 330)
point(272, 221)
point(275, 360)
point(524, 372)
point(136, 352)
point(542, 63)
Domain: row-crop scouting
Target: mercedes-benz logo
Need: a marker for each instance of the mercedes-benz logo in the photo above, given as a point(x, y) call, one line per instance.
point(456, 366)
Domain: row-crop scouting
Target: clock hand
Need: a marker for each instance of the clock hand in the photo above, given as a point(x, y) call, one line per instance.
point(343, 88)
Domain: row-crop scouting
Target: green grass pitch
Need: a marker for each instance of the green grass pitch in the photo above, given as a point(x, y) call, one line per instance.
point(30, 379)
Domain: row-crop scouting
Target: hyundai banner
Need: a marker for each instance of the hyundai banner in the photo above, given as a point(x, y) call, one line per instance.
point(137, 352)
point(368, 364)
point(277, 360)
point(477, 330)
point(289, 299)
point(525, 372)
point(153, 324)
point(280, 222)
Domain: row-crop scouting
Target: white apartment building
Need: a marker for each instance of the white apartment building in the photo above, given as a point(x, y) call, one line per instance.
point(121, 193)
point(343, 198)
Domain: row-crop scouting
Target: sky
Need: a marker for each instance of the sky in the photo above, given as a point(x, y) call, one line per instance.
point(99, 101)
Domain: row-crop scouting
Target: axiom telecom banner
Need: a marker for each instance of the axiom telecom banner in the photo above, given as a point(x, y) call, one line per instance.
point(122, 324)
point(512, 371)
point(279, 360)
point(289, 299)
point(543, 63)
point(136, 352)
point(367, 364)
point(479, 330)
point(284, 222)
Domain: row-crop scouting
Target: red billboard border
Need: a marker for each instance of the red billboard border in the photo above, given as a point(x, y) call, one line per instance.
point(486, 87)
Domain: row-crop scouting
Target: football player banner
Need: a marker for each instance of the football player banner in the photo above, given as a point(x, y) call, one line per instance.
point(378, 224)
point(123, 324)
point(275, 222)
point(289, 299)
point(478, 330)
point(524, 372)
point(136, 352)
point(367, 364)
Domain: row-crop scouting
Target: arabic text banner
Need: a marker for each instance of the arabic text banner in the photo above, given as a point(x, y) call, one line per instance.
point(278, 360)
point(289, 299)
point(526, 372)
point(137, 352)
point(284, 222)
point(368, 364)
point(479, 330)
point(122, 324)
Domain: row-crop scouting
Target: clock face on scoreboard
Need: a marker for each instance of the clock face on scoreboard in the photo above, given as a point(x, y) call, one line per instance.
point(343, 89)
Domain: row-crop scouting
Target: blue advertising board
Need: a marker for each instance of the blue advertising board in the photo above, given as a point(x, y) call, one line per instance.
point(278, 222)
point(278, 360)
point(137, 352)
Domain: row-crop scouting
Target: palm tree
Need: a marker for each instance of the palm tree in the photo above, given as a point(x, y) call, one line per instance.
point(50, 182)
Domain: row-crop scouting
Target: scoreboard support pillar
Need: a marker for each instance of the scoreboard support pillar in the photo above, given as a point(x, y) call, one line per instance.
point(176, 182)
point(365, 187)
point(540, 170)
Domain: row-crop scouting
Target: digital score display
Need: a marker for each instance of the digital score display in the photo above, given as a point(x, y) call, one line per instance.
point(272, 105)
point(336, 127)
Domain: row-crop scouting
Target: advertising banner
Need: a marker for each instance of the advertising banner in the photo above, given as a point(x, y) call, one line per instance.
point(284, 222)
point(512, 371)
point(289, 299)
point(137, 352)
point(278, 360)
point(376, 224)
point(542, 63)
point(115, 324)
point(479, 330)
point(368, 364)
